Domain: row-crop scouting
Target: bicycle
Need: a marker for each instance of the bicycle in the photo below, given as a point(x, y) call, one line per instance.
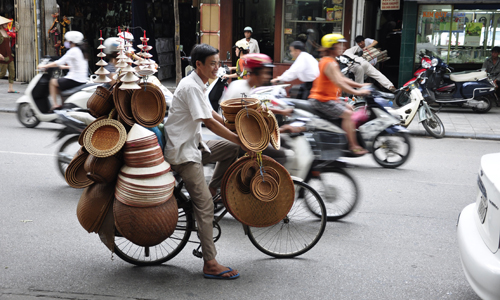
point(296, 234)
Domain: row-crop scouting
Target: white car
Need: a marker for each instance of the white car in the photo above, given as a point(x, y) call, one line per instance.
point(478, 232)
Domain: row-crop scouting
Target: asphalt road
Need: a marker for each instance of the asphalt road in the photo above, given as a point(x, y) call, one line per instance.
point(399, 244)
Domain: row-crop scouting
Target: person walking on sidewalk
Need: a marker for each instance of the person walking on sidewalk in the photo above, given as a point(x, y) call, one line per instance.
point(329, 85)
point(187, 152)
point(6, 56)
point(304, 68)
point(253, 45)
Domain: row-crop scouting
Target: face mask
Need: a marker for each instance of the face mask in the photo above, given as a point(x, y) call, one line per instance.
point(67, 45)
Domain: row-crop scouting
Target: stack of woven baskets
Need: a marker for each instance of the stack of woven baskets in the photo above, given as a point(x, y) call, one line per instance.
point(145, 210)
point(257, 190)
point(121, 162)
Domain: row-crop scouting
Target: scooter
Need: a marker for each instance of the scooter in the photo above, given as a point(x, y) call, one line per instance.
point(425, 64)
point(34, 106)
point(378, 131)
point(468, 89)
point(74, 122)
point(431, 122)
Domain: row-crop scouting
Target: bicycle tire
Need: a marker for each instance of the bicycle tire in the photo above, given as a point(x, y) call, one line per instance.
point(433, 125)
point(62, 164)
point(339, 192)
point(277, 241)
point(156, 255)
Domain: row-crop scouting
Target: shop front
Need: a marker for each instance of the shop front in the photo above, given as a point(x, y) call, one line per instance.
point(462, 34)
point(277, 23)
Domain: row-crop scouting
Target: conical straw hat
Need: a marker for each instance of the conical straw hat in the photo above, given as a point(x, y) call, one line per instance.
point(138, 132)
point(4, 20)
point(102, 79)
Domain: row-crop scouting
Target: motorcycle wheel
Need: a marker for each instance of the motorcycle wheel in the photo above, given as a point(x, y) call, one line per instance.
point(433, 125)
point(66, 153)
point(391, 150)
point(402, 98)
point(26, 116)
point(484, 110)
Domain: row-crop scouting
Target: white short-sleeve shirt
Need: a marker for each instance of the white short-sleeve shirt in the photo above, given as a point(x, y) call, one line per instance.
point(183, 126)
point(78, 65)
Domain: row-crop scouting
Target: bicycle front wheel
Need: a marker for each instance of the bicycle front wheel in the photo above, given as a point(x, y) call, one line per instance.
point(339, 192)
point(298, 232)
point(155, 255)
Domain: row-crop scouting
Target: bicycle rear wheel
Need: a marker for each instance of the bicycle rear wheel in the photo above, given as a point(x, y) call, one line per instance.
point(166, 250)
point(298, 232)
point(339, 192)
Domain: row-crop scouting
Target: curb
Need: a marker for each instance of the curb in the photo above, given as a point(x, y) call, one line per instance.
point(8, 110)
point(460, 135)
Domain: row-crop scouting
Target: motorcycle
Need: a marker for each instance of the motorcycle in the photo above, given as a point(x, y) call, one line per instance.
point(468, 89)
point(431, 122)
point(378, 131)
point(425, 63)
point(74, 123)
point(34, 106)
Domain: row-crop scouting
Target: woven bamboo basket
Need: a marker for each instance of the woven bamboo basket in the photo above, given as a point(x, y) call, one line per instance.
point(75, 174)
point(100, 102)
point(103, 170)
point(105, 138)
point(265, 187)
point(251, 211)
point(233, 106)
point(273, 127)
point(252, 130)
point(146, 226)
point(93, 205)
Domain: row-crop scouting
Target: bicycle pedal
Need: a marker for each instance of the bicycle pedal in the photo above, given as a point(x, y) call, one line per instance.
point(197, 253)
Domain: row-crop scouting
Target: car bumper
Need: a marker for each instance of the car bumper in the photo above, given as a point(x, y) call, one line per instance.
point(480, 265)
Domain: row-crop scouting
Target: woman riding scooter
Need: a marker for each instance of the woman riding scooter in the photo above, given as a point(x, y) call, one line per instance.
point(75, 60)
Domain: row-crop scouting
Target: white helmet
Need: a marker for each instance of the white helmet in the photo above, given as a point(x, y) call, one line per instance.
point(128, 36)
point(248, 28)
point(111, 44)
point(74, 36)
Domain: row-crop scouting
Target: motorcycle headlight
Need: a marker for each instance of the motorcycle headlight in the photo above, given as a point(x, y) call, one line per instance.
point(434, 62)
point(425, 64)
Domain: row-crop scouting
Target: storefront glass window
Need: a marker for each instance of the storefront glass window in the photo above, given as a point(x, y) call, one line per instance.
point(460, 36)
point(308, 21)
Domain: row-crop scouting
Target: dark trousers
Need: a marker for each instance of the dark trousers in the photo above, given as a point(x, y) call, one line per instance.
point(305, 89)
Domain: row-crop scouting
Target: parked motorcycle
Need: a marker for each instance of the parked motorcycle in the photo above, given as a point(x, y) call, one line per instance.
point(431, 122)
point(468, 89)
point(34, 106)
point(378, 131)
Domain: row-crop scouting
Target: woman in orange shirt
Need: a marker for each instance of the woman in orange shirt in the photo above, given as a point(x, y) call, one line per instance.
point(329, 85)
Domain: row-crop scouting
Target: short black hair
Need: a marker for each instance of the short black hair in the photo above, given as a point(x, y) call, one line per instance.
point(201, 52)
point(359, 39)
point(495, 49)
point(298, 45)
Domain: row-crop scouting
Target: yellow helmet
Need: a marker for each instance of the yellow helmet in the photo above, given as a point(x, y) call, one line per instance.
point(331, 39)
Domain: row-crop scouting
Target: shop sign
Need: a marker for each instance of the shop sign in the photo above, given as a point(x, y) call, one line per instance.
point(288, 30)
point(389, 4)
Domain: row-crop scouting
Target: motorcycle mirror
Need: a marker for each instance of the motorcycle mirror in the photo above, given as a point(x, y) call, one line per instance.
point(228, 55)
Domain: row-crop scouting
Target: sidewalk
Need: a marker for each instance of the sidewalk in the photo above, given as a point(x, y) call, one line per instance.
point(458, 123)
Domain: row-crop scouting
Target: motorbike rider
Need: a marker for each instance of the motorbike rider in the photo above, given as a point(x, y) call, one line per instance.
point(492, 64)
point(329, 85)
point(252, 43)
point(305, 68)
point(363, 67)
point(186, 152)
point(75, 60)
point(241, 48)
point(259, 67)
